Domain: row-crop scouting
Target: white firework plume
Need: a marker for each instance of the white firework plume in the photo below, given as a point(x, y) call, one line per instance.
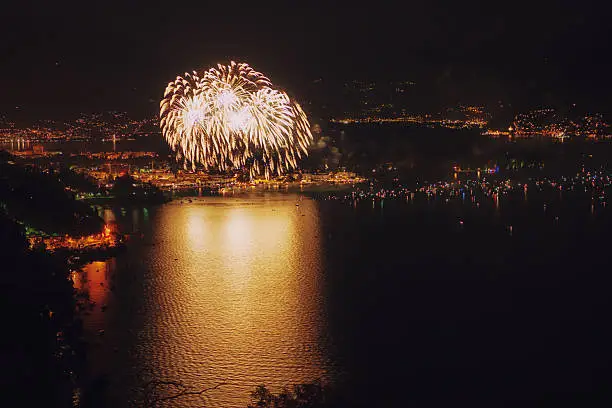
point(231, 117)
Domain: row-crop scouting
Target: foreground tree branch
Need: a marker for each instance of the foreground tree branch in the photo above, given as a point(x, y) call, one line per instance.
point(155, 392)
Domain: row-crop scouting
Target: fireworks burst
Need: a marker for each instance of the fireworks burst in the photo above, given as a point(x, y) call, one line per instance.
point(231, 117)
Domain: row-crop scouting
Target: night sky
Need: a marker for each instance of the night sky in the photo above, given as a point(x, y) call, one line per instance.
point(58, 60)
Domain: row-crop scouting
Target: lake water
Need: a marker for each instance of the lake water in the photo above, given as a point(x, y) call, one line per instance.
point(218, 290)
point(394, 303)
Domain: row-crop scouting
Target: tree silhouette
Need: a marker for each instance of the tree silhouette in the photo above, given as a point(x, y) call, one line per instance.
point(308, 395)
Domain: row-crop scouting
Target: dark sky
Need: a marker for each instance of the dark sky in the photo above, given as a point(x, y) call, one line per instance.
point(59, 58)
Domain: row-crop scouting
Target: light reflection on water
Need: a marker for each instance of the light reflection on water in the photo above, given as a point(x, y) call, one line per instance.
point(220, 289)
point(93, 279)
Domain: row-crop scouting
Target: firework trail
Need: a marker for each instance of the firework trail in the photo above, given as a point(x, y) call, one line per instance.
point(232, 117)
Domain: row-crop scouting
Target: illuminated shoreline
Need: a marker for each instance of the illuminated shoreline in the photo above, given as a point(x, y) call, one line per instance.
point(103, 241)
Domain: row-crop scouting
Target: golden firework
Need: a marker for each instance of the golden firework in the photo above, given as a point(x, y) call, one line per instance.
point(231, 117)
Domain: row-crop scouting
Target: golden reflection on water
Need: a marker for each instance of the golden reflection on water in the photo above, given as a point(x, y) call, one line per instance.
point(232, 292)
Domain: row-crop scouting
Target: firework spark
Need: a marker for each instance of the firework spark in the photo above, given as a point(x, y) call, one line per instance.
point(232, 117)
